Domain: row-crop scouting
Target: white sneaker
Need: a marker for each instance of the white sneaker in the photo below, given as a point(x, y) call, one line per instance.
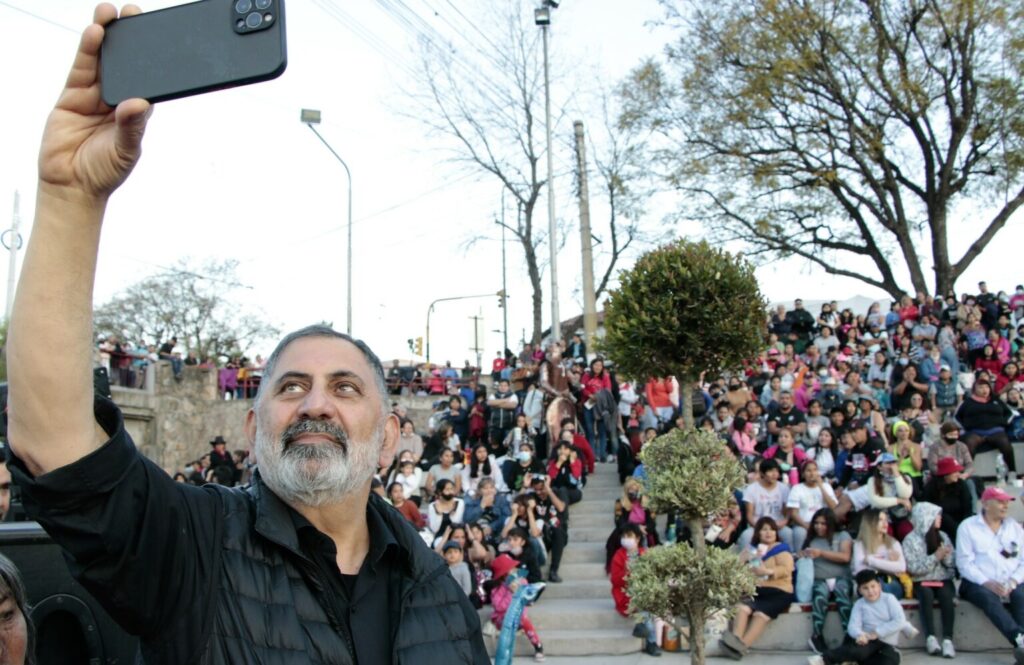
point(947, 649)
point(909, 631)
point(815, 660)
point(931, 645)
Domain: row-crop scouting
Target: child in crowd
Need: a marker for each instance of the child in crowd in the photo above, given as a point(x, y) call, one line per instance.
point(631, 547)
point(457, 566)
point(506, 585)
point(876, 623)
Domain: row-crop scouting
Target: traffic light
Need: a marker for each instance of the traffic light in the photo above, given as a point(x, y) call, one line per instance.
point(501, 298)
point(419, 346)
point(411, 346)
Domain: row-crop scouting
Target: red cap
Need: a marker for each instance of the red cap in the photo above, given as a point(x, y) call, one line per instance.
point(502, 565)
point(948, 465)
point(995, 494)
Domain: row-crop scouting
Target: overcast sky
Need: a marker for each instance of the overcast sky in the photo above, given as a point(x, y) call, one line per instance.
point(235, 174)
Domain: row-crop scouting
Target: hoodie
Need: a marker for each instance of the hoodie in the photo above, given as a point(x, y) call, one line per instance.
point(920, 564)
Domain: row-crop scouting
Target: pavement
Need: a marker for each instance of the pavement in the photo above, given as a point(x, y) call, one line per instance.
point(914, 657)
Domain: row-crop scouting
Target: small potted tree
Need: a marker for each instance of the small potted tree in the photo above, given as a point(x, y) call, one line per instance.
point(685, 309)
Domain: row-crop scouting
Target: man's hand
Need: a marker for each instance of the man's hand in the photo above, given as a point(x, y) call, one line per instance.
point(997, 588)
point(88, 148)
point(863, 639)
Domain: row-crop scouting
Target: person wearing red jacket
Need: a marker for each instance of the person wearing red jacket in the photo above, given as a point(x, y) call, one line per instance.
point(630, 549)
point(593, 382)
point(659, 394)
point(566, 472)
point(583, 449)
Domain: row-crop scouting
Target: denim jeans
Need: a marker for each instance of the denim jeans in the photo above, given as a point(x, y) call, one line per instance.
point(596, 434)
point(1009, 621)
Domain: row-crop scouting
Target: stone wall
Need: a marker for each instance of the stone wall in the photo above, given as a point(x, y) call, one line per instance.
point(172, 422)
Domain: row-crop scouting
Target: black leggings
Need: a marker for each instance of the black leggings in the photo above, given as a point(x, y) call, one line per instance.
point(1000, 441)
point(926, 596)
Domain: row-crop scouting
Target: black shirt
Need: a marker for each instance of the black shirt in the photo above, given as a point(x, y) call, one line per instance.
point(360, 600)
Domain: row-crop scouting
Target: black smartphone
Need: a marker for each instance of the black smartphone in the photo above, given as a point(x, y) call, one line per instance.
point(191, 49)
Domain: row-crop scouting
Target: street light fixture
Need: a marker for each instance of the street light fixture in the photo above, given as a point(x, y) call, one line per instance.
point(542, 17)
point(312, 117)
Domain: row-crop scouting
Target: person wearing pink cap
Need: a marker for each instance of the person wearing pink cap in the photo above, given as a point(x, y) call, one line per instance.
point(990, 557)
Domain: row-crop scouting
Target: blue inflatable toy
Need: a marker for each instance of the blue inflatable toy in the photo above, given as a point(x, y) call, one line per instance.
point(524, 595)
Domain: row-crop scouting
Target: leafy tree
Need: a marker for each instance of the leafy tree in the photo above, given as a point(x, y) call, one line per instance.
point(690, 474)
point(190, 302)
point(851, 134)
point(684, 309)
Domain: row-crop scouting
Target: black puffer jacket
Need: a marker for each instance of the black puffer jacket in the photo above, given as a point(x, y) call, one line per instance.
point(265, 585)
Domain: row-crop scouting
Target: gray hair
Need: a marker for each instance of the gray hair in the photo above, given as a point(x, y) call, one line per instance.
point(320, 330)
point(12, 586)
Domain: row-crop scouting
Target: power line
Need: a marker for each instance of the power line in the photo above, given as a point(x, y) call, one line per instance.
point(40, 18)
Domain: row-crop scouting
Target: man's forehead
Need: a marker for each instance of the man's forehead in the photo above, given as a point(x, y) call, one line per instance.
point(322, 356)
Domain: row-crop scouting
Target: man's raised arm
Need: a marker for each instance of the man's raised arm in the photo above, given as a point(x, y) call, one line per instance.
point(87, 151)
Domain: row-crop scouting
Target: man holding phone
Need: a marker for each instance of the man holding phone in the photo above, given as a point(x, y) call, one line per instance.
point(306, 566)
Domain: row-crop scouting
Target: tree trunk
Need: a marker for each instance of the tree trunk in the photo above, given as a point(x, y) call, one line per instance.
point(697, 646)
point(686, 402)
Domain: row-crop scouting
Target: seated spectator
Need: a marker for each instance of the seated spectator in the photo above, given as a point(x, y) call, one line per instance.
point(478, 420)
point(984, 421)
point(854, 469)
point(525, 517)
point(891, 491)
point(990, 558)
point(766, 498)
point(824, 451)
point(580, 443)
point(631, 547)
point(480, 552)
point(816, 421)
point(488, 506)
point(520, 546)
point(481, 465)
point(446, 509)
point(454, 557)
point(522, 432)
point(944, 394)
point(726, 527)
point(566, 471)
point(806, 499)
point(631, 508)
point(949, 445)
point(409, 510)
point(929, 554)
point(772, 562)
point(951, 494)
point(552, 515)
point(909, 456)
point(876, 622)
point(788, 455)
point(445, 469)
point(411, 441)
point(988, 360)
point(410, 477)
point(876, 550)
point(518, 470)
point(831, 551)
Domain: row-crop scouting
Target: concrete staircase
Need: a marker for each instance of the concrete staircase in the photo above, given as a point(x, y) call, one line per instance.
point(578, 617)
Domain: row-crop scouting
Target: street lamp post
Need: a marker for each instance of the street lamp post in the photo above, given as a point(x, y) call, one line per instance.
point(542, 17)
point(312, 117)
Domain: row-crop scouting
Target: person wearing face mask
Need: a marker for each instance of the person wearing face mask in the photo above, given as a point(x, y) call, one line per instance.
point(444, 510)
point(631, 508)
point(520, 547)
point(628, 549)
point(550, 513)
point(524, 466)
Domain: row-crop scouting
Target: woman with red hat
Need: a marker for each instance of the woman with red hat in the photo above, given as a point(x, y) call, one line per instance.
point(949, 491)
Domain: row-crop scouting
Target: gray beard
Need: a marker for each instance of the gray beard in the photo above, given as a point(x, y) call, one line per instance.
point(316, 475)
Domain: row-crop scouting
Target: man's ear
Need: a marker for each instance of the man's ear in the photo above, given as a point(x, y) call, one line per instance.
point(250, 432)
point(389, 447)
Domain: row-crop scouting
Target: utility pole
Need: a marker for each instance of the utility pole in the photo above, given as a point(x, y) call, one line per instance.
point(504, 285)
point(586, 240)
point(14, 246)
point(476, 339)
point(542, 17)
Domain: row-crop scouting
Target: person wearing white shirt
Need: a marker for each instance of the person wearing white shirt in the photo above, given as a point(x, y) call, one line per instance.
point(766, 498)
point(806, 499)
point(990, 558)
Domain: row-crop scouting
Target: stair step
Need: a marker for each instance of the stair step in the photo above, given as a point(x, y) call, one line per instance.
point(591, 520)
point(585, 534)
point(588, 507)
point(579, 589)
point(584, 552)
point(575, 643)
point(591, 570)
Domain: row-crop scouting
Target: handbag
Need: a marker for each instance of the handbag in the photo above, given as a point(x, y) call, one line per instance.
point(804, 579)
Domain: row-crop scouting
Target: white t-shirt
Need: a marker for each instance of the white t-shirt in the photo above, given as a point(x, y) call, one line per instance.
point(808, 501)
point(767, 503)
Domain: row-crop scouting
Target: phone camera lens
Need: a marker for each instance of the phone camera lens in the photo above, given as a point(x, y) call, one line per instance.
point(243, 6)
point(263, 4)
point(253, 20)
